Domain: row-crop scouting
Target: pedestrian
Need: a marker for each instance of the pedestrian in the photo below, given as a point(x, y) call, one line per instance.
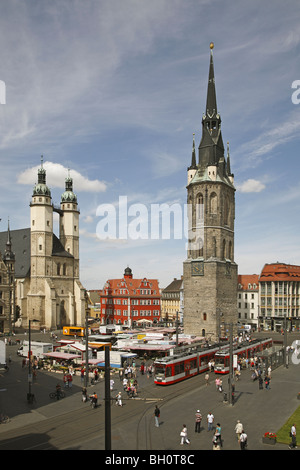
point(125, 380)
point(156, 416)
point(84, 395)
point(217, 382)
point(65, 380)
point(119, 399)
point(260, 383)
point(267, 382)
point(238, 429)
point(210, 421)
point(218, 433)
point(293, 444)
point(184, 436)
point(243, 440)
point(207, 378)
point(70, 380)
point(198, 419)
point(111, 384)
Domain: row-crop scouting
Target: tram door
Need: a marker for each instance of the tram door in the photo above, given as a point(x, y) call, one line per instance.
point(187, 368)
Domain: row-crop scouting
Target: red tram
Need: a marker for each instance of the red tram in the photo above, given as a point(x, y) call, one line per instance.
point(172, 369)
point(243, 351)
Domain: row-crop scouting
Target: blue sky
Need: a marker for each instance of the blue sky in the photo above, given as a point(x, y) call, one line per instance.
point(114, 90)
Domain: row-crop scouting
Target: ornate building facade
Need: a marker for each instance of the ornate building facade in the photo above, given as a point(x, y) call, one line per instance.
point(210, 272)
point(48, 289)
point(129, 301)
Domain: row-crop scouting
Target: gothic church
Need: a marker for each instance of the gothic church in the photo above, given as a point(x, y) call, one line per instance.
point(48, 290)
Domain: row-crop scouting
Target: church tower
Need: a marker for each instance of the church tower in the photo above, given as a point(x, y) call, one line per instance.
point(210, 273)
point(41, 215)
point(69, 223)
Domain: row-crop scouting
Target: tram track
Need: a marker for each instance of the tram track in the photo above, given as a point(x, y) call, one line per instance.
point(74, 429)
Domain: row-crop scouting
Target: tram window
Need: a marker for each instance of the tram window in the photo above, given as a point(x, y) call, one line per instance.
point(204, 360)
point(193, 364)
point(179, 368)
point(219, 360)
point(168, 371)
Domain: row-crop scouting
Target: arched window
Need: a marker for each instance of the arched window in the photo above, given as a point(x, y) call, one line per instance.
point(224, 249)
point(226, 210)
point(58, 269)
point(199, 207)
point(230, 250)
point(213, 203)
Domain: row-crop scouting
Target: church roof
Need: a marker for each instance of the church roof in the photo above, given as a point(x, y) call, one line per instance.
point(20, 245)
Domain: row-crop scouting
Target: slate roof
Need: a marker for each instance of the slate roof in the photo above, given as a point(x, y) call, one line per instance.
point(20, 245)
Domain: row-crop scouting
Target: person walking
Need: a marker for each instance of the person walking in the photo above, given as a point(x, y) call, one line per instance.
point(210, 421)
point(207, 379)
point(243, 440)
point(156, 416)
point(238, 429)
point(184, 436)
point(119, 399)
point(293, 444)
point(267, 382)
point(218, 434)
point(198, 419)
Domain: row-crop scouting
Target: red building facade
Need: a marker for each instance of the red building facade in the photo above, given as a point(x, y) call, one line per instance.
point(130, 302)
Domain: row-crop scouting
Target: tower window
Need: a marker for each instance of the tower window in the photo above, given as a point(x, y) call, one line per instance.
point(40, 247)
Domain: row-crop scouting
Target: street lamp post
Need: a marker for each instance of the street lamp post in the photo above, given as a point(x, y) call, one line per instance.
point(230, 378)
point(30, 396)
point(86, 377)
point(285, 356)
point(107, 401)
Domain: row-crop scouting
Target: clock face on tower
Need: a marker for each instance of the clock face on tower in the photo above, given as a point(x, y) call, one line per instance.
point(197, 268)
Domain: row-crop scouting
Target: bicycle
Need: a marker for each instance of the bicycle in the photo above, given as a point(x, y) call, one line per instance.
point(4, 419)
point(58, 394)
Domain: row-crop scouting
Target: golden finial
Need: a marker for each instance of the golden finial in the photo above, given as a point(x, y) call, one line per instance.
point(211, 45)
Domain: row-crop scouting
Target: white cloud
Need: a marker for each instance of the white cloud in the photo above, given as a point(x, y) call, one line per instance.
point(55, 177)
point(251, 186)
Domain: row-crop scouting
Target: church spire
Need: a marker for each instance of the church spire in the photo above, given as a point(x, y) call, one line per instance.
point(193, 163)
point(211, 99)
point(211, 147)
point(8, 255)
point(41, 187)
